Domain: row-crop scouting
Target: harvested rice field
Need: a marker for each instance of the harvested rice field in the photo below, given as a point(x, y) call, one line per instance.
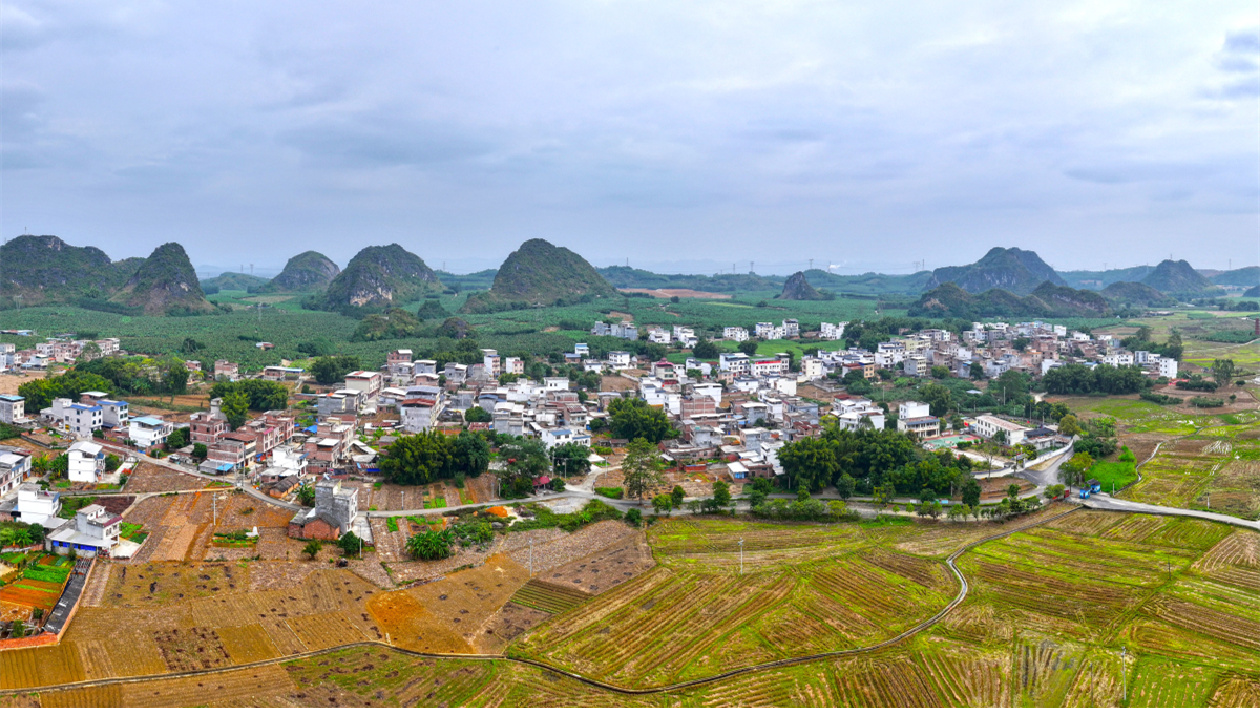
point(1050, 606)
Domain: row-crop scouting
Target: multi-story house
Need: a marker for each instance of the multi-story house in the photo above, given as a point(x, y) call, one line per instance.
point(148, 431)
point(93, 532)
point(77, 419)
point(85, 462)
point(12, 408)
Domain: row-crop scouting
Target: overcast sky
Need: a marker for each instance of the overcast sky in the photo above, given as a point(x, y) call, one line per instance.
point(681, 135)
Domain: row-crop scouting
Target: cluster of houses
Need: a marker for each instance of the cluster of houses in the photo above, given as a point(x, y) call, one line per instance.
point(93, 530)
point(63, 349)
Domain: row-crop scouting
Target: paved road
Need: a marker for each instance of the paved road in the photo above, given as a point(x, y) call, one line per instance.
point(208, 477)
point(1105, 501)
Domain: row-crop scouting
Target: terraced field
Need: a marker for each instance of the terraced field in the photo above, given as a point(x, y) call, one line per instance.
point(1049, 609)
point(804, 589)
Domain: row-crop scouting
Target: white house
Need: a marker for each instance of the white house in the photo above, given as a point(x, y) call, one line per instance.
point(37, 506)
point(562, 436)
point(735, 334)
point(832, 331)
point(13, 469)
point(12, 408)
point(286, 461)
point(620, 361)
point(94, 531)
point(765, 330)
point(85, 462)
point(77, 419)
point(791, 328)
point(148, 431)
point(658, 336)
point(986, 426)
point(1168, 367)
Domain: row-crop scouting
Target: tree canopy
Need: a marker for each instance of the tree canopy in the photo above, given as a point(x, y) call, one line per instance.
point(634, 419)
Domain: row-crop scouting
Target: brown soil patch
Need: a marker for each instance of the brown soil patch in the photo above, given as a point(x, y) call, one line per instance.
point(10, 383)
point(679, 292)
point(148, 477)
point(508, 623)
point(608, 567)
point(447, 615)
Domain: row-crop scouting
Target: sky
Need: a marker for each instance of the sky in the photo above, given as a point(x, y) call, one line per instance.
point(675, 136)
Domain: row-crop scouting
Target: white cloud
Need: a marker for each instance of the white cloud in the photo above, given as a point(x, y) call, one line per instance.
point(623, 128)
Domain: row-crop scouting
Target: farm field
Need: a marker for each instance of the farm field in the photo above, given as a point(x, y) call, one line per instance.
point(1049, 608)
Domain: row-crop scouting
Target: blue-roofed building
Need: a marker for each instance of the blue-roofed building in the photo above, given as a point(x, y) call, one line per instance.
point(148, 431)
point(77, 419)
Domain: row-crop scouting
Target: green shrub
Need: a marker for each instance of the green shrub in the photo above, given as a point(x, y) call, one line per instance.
point(611, 492)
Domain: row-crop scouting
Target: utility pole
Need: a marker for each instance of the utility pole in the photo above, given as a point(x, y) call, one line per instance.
point(531, 557)
point(741, 556)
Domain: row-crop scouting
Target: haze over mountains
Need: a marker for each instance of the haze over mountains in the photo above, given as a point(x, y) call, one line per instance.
point(40, 270)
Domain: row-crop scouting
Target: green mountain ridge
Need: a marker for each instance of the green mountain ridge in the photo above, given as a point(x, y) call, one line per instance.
point(310, 271)
point(1010, 269)
point(1238, 278)
point(796, 287)
point(165, 283)
point(378, 277)
point(540, 274)
point(1126, 294)
point(232, 281)
point(1177, 277)
point(1047, 300)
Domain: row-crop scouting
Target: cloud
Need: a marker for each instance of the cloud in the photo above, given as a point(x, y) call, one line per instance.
point(372, 140)
point(620, 129)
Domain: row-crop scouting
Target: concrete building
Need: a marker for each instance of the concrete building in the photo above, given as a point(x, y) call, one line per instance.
point(77, 419)
point(334, 513)
point(37, 506)
point(85, 462)
point(93, 532)
point(12, 409)
point(148, 431)
point(987, 426)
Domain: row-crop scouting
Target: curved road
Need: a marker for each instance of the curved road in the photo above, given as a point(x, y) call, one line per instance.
point(963, 589)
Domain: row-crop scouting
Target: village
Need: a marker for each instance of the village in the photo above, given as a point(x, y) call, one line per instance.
point(82, 467)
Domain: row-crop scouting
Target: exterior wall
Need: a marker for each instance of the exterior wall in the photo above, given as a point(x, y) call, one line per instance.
point(316, 529)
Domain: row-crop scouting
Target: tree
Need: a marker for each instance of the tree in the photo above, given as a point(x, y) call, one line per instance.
point(845, 486)
point(938, 398)
point(1012, 491)
point(236, 409)
point(1000, 437)
point(939, 371)
point(748, 347)
point(312, 548)
point(306, 495)
point(1069, 427)
point(722, 494)
point(477, 414)
point(571, 459)
point(971, 492)
point(678, 494)
point(331, 369)
point(884, 496)
point(1223, 371)
point(641, 469)
point(349, 543)
point(662, 502)
point(634, 517)
point(976, 370)
point(633, 419)
point(175, 378)
point(431, 545)
point(417, 459)
point(200, 451)
point(470, 455)
point(704, 349)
